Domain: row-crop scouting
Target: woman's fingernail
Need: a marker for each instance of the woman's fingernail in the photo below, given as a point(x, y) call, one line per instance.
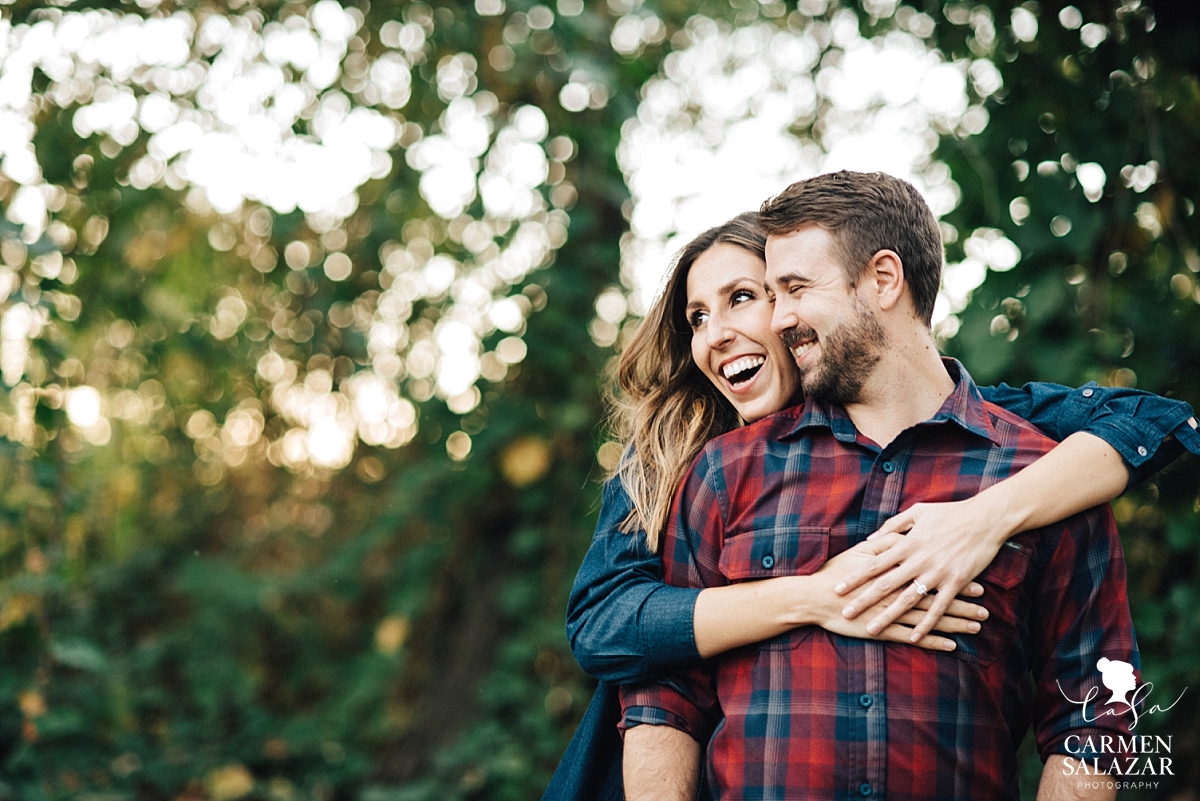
point(983, 613)
point(973, 626)
point(949, 645)
point(840, 588)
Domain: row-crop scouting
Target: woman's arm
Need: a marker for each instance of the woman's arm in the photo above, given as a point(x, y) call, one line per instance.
point(624, 624)
point(740, 614)
point(1111, 434)
point(1147, 430)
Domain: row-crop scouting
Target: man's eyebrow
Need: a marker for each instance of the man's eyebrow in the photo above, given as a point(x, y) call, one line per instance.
point(725, 290)
point(792, 278)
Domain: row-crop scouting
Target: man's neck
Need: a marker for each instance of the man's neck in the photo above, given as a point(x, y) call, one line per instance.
point(907, 386)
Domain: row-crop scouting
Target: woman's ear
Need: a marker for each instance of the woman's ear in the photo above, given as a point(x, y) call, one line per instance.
point(886, 271)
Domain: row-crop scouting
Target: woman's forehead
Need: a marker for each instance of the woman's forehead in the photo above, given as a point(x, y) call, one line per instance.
point(722, 265)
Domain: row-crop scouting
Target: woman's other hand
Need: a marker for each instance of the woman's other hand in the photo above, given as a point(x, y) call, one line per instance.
point(956, 616)
point(921, 559)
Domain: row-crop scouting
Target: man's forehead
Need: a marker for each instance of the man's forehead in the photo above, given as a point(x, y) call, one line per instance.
point(799, 254)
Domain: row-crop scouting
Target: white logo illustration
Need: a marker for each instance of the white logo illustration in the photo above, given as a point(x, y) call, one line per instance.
point(1118, 677)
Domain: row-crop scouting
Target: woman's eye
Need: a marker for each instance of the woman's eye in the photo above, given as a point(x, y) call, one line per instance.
point(697, 319)
point(741, 296)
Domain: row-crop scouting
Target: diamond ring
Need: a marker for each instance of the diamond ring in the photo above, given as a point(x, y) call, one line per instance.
point(921, 588)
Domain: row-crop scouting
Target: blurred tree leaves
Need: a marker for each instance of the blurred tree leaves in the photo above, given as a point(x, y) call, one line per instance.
point(185, 612)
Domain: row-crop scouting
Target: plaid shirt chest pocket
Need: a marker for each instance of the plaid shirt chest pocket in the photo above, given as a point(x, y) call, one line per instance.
point(775, 551)
point(1001, 581)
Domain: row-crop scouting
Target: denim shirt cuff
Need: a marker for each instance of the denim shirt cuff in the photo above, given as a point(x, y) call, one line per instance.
point(668, 627)
point(1145, 445)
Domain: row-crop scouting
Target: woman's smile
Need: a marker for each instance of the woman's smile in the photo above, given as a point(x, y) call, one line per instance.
point(732, 343)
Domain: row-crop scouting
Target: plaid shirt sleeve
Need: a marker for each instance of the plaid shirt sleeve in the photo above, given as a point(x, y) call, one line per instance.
point(1084, 616)
point(691, 549)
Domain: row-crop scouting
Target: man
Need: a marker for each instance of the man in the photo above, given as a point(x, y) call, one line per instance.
point(854, 263)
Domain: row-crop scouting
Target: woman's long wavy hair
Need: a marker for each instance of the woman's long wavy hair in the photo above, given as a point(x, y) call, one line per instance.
point(662, 405)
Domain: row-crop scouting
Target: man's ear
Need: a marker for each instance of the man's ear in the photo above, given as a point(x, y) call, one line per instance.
point(886, 272)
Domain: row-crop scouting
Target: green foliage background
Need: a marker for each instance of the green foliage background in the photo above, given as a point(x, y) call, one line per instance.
point(394, 630)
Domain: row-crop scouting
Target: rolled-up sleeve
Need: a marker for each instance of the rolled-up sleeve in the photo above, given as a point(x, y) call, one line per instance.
point(624, 624)
point(1147, 430)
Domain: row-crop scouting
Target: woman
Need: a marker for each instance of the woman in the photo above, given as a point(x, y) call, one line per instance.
point(678, 390)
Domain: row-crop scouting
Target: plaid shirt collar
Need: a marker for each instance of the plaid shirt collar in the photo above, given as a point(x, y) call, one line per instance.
point(963, 407)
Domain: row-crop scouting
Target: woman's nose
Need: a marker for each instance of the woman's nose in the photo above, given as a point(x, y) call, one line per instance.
point(719, 333)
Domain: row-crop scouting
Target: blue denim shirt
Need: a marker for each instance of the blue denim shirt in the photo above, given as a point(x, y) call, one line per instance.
point(624, 624)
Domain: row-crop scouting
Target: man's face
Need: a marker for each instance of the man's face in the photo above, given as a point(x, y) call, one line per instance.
point(831, 332)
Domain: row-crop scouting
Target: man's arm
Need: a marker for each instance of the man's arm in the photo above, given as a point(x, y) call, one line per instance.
point(1057, 785)
point(1080, 615)
point(661, 764)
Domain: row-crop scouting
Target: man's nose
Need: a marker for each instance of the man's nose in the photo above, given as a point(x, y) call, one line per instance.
point(782, 318)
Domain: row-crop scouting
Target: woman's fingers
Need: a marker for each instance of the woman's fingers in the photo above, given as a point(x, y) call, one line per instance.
point(898, 524)
point(899, 578)
point(972, 590)
point(943, 603)
point(967, 610)
point(897, 633)
point(947, 625)
point(881, 547)
point(906, 600)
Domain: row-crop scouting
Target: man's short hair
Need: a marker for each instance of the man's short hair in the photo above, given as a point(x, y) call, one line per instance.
point(866, 212)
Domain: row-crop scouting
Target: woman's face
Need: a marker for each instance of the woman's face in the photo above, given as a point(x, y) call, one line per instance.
point(732, 342)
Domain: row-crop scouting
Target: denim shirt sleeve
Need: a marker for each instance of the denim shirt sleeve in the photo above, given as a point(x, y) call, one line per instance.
point(624, 624)
point(1148, 430)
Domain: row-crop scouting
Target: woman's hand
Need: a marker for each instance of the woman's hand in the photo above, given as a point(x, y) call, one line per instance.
point(946, 545)
point(957, 617)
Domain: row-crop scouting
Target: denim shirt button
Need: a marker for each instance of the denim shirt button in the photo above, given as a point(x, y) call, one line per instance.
point(768, 562)
point(1142, 450)
point(1089, 392)
point(865, 789)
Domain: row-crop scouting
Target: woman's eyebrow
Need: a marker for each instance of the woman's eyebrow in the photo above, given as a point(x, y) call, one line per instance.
point(724, 290)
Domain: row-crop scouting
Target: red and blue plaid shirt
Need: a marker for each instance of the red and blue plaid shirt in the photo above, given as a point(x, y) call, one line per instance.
point(811, 714)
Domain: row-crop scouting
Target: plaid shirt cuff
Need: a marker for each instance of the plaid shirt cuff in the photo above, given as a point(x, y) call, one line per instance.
point(655, 704)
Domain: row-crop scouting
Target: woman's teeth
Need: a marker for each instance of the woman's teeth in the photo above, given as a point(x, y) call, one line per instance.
point(743, 369)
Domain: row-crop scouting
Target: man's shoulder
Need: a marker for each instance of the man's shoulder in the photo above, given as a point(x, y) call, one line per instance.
point(751, 437)
point(1017, 434)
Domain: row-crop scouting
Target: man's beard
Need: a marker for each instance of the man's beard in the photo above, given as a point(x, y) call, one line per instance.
point(848, 356)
